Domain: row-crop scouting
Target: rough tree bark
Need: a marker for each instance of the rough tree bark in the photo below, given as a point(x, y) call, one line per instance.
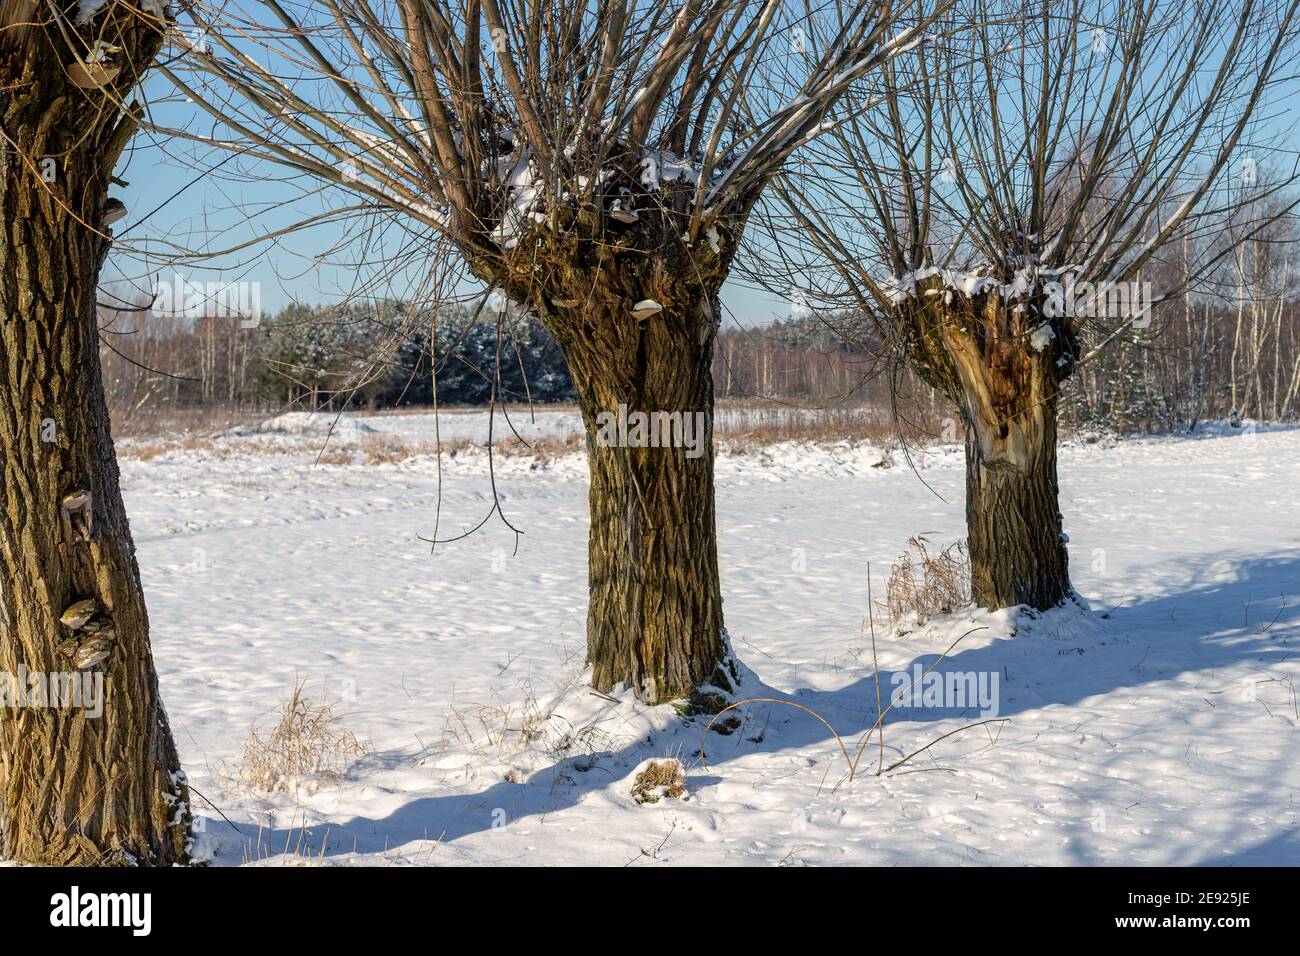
point(655, 618)
point(1013, 524)
point(78, 789)
point(654, 622)
point(1001, 364)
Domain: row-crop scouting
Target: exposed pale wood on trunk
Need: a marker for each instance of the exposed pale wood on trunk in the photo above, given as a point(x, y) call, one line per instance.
point(979, 353)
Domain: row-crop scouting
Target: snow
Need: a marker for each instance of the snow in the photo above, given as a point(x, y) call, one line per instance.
point(1160, 727)
point(969, 284)
point(715, 240)
point(320, 423)
point(86, 10)
point(1041, 337)
point(1025, 280)
point(520, 180)
point(659, 166)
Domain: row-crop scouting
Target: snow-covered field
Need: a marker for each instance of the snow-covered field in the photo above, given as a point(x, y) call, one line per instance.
point(1161, 728)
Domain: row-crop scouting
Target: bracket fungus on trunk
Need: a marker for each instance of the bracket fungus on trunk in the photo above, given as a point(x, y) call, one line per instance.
point(93, 652)
point(78, 615)
point(646, 308)
point(78, 516)
point(93, 634)
point(114, 211)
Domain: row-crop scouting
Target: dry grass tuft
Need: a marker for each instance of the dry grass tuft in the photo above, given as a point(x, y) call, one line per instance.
point(658, 779)
point(308, 738)
point(387, 450)
point(739, 428)
point(501, 731)
point(746, 427)
point(159, 419)
point(335, 456)
point(509, 733)
point(149, 449)
point(928, 585)
point(545, 449)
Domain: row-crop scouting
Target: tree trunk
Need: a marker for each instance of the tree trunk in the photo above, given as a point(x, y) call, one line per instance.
point(1013, 524)
point(1001, 363)
point(654, 623)
point(78, 787)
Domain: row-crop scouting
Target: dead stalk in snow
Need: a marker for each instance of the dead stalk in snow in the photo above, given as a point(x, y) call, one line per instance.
point(851, 762)
point(925, 584)
point(307, 738)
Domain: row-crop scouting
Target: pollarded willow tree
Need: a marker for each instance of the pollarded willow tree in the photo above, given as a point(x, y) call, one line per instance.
point(1007, 207)
point(595, 161)
point(79, 786)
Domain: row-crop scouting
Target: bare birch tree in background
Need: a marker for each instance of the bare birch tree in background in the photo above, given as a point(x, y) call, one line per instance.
point(980, 210)
point(78, 788)
point(594, 160)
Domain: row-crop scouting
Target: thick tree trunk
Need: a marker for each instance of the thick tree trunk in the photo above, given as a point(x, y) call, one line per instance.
point(1001, 363)
point(77, 787)
point(632, 301)
point(1013, 524)
point(654, 623)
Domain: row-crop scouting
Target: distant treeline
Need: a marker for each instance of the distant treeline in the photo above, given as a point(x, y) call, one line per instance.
point(1209, 359)
point(321, 357)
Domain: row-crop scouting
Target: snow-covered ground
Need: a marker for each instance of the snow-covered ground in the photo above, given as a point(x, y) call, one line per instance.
point(1160, 728)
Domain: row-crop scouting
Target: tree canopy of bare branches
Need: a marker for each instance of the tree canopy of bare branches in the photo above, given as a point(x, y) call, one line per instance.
point(1006, 192)
point(596, 161)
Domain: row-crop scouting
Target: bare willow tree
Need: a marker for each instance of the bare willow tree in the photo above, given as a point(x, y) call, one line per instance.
point(79, 787)
point(1001, 210)
point(594, 160)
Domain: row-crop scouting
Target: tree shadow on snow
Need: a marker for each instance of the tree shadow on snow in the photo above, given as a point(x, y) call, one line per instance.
point(1235, 610)
point(1281, 849)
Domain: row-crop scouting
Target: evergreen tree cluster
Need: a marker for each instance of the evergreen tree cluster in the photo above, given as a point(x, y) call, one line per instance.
point(379, 356)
